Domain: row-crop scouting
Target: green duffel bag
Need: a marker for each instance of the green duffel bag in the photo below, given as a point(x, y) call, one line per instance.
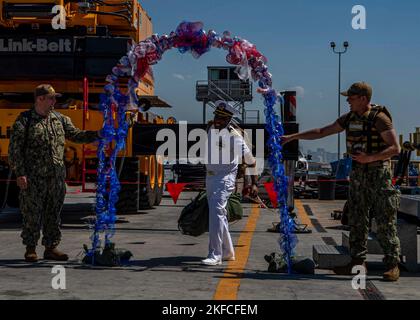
point(234, 207)
point(194, 218)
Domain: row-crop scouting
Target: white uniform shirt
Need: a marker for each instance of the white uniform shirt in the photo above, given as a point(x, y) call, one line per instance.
point(225, 150)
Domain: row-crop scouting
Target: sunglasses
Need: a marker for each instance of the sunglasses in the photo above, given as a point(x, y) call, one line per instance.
point(221, 116)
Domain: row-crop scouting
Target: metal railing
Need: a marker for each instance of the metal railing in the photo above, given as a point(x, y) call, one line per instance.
point(232, 90)
point(256, 117)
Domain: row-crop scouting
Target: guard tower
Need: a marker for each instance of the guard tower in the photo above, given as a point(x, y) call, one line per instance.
point(224, 84)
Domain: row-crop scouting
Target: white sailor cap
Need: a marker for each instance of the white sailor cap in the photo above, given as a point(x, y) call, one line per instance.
point(223, 108)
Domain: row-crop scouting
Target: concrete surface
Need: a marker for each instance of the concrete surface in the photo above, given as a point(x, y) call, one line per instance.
point(166, 264)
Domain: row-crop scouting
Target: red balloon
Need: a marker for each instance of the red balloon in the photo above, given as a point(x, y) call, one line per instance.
point(142, 68)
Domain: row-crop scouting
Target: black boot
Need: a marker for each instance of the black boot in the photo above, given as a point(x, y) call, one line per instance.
point(347, 269)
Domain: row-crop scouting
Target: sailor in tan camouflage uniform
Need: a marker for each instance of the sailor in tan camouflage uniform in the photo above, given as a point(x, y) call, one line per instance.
point(36, 154)
point(371, 141)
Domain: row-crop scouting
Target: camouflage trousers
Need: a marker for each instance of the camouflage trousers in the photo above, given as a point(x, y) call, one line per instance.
point(373, 195)
point(41, 205)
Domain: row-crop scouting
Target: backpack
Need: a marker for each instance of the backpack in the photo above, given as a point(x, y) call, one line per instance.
point(194, 218)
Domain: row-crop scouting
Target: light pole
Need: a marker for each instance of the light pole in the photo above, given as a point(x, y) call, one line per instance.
point(333, 46)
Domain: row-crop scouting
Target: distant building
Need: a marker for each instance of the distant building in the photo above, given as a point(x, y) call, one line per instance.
point(323, 156)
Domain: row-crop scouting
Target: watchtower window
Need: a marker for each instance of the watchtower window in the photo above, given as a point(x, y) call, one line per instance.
point(219, 74)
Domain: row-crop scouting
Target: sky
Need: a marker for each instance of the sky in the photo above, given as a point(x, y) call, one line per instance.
point(295, 37)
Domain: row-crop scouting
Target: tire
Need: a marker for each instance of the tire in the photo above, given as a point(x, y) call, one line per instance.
point(160, 182)
point(128, 198)
point(159, 195)
point(147, 193)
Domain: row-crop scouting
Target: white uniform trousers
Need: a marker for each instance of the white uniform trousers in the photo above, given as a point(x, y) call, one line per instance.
point(219, 188)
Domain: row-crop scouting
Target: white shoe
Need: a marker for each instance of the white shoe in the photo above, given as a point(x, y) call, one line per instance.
point(229, 258)
point(211, 262)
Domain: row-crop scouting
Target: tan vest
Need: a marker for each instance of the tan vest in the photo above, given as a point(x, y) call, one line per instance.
point(361, 134)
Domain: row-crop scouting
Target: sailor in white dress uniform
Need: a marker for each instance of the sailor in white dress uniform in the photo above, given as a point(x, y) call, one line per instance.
point(225, 149)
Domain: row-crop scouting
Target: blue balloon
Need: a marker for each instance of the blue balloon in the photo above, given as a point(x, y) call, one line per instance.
point(288, 239)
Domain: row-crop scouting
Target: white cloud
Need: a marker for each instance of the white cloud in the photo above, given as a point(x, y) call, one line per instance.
point(178, 76)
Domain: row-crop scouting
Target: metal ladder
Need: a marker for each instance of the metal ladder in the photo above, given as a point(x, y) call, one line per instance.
point(86, 152)
point(222, 95)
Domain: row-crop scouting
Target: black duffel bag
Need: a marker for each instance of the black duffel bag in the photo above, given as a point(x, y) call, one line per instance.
point(194, 218)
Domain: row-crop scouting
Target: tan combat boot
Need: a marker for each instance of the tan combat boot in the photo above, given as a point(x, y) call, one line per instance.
point(393, 273)
point(52, 253)
point(346, 270)
point(30, 254)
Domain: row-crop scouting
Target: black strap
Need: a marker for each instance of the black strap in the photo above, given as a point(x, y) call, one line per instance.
point(347, 120)
point(370, 122)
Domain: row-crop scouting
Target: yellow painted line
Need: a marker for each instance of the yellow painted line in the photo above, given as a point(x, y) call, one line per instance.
point(228, 286)
point(301, 213)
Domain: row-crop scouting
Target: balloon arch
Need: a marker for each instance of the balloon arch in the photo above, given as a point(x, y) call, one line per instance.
point(188, 37)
